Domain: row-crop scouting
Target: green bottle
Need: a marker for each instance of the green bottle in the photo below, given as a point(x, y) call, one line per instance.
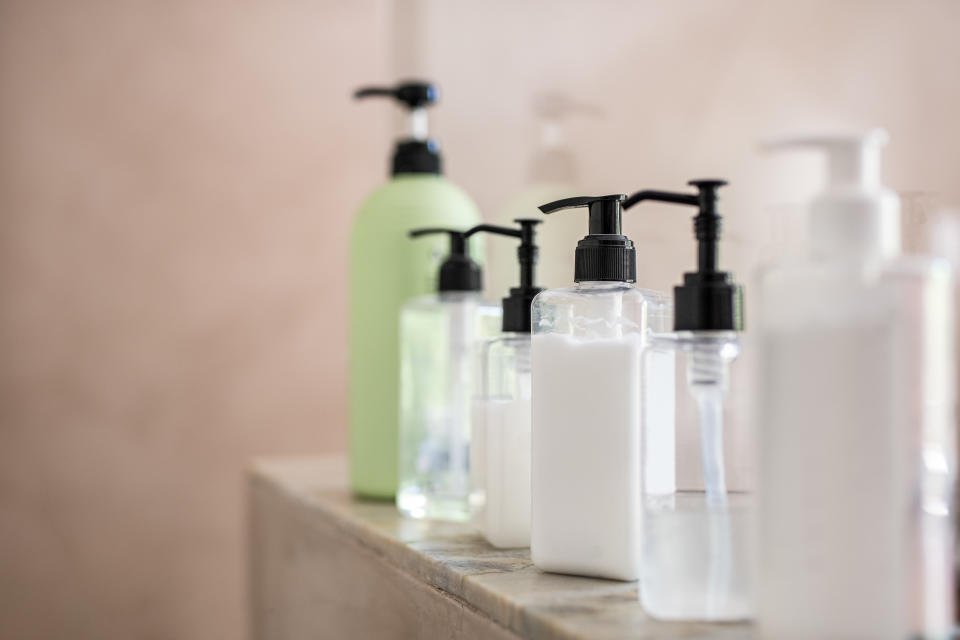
point(386, 270)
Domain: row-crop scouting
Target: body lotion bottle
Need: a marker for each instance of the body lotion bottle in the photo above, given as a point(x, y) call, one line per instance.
point(587, 409)
point(855, 421)
point(385, 272)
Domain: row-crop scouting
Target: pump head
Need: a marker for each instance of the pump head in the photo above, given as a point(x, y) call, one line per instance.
point(516, 306)
point(855, 216)
point(458, 272)
point(418, 153)
point(605, 254)
point(708, 300)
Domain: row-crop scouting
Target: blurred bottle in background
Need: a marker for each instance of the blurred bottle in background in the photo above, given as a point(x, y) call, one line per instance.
point(553, 174)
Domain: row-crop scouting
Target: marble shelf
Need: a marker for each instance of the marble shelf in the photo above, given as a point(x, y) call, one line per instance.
point(324, 565)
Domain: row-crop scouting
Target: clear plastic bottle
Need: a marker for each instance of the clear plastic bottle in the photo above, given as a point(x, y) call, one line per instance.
point(500, 444)
point(698, 535)
point(439, 339)
point(587, 409)
point(856, 421)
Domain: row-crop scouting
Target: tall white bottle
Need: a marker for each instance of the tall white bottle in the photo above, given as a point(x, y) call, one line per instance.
point(856, 420)
point(587, 382)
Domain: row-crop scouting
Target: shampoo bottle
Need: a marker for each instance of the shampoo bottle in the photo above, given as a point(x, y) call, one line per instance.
point(500, 440)
point(586, 394)
point(439, 337)
point(856, 420)
point(696, 561)
point(385, 271)
point(552, 174)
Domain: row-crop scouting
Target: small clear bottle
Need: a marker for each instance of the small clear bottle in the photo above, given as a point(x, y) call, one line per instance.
point(699, 536)
point(500, 444)
point(439, 339)
point(587, 407)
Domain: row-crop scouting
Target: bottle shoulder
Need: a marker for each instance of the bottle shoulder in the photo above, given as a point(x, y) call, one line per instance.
point(435, 302)
point(622, 291)
point(430, 192)
point(856, 273)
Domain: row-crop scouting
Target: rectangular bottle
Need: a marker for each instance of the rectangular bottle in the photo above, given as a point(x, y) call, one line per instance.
point(856, 422)
point(587, 408)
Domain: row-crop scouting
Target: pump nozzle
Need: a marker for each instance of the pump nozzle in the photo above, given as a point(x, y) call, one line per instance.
point(855, 216)
point(458, 272)
point(708, 300)
point(417, 154)
point(414, 94)
point(604, 254)
point(516, 306)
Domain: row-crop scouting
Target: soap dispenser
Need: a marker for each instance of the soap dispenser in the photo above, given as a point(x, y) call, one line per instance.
point(856, 420)
point(439, 338)
point(587, 408)
point(552, 173)
point(385, 272)
point(697, 539)
point(500, 437)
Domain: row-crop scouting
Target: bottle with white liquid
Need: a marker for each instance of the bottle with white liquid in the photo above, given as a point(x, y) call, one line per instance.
point(856, 420)
point(587, 380)
point(696, 561)
point(439, 338)
point(500, 442)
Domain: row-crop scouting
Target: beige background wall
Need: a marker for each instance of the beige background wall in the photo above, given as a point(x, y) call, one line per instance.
point(175, 186)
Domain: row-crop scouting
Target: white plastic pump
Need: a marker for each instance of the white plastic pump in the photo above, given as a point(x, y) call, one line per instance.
point(855, 216)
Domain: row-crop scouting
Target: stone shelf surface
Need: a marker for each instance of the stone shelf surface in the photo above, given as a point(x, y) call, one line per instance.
point(324, 565)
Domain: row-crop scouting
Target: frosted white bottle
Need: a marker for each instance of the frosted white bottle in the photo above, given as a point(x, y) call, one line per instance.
point(500, 444)
point(856, 422)
point(586, 392)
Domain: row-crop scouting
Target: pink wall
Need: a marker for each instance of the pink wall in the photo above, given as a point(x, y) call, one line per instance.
point(176, 182)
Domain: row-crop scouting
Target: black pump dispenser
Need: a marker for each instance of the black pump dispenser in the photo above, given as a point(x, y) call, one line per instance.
point(418, 153)
point(708, 300)
point(458, 272)
point(605, 254)
point(516, 306)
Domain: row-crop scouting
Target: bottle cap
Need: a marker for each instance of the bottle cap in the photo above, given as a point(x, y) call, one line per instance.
point(708, 300)
point(604, 254)
point(855, 215)
point(417, 153)
point(516, 306)
point(458, 272)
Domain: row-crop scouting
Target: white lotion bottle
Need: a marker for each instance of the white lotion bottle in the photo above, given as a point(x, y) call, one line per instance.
point(587, 379)
point(855, 420)
point(500, 443)
point(440, 335)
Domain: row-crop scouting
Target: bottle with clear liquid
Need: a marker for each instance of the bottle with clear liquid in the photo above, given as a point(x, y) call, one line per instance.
point(500, 442)
point(439, 339)
point(698, 532)
point(587, 409)
point(856, 421)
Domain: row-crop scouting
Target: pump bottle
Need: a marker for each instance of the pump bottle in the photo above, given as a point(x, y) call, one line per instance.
point(439, 337)
point(552, 174)
point(586, 394)
point(856, 420)
point(500, 438)
point(385, 271)
point(698, 537)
